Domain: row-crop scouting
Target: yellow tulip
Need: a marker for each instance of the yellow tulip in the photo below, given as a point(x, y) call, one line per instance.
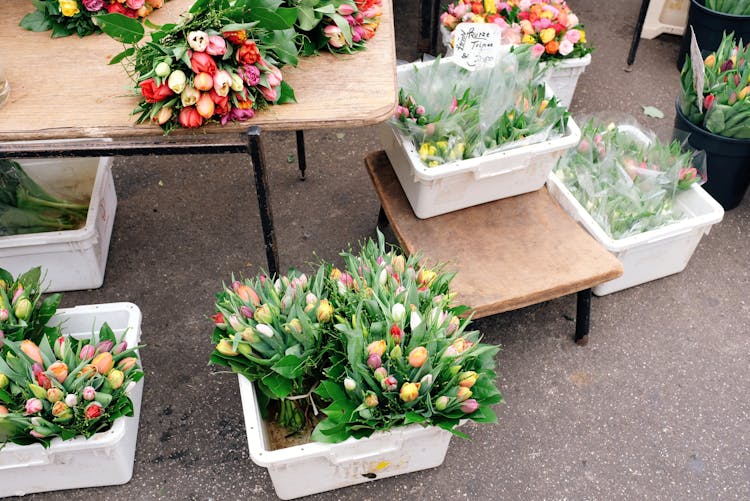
point(548, 34)
point(68, 8)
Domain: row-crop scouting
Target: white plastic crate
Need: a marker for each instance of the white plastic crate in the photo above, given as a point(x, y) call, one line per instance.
point(104, 459)
point(665, 16)
point(652, 254)
point(72, 259)
point(315, 467)
point(562, 76)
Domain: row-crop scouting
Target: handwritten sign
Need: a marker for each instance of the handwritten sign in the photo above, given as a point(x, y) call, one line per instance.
point(476, 45)
point(696, 58)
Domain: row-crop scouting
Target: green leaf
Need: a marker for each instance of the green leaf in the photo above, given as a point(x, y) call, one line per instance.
point(651, 111)
point(122, 55)
point(286, 94)
point(30, 279)
point(306, 18)
point(121, 28)
point(326, 9)
point(288, 14)
point(343, 25)
point(35, 21)
point(270, 20)
point(291, 366)
point(279, 386)
point(413, 417)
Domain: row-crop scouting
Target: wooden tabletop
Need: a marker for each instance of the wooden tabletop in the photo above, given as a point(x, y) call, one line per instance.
point(508, 254)
point(63, 88)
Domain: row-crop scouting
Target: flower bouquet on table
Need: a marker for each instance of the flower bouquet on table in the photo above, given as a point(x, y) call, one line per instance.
point(68, 17)
point(723, 105)
point(23, 313)
point(273, 332)
point(450, 113)
point(550, 24)
point(65, 388)
point(219, 64)
point(408, 358)
point(627, 180)
point(337, 26)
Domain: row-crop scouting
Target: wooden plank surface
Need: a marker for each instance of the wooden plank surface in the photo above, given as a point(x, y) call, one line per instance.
point(508, 254)
point(63, 88)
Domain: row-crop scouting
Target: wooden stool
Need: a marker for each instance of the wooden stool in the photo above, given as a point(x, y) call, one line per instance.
point(509, 253)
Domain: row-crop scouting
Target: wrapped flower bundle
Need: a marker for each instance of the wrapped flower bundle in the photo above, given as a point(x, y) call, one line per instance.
point(274, 333)
point(336, 26)
point(68, 17)
point(723, 105)
point(70, 388)
point(549, 25)
point(23, 313)
point(628, 180)
point(450, 113)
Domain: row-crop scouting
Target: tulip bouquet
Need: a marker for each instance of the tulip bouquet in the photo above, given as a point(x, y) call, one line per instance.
point(23, 314)
point(450, 113)
point(68, 17)
point(337, 26)
point(627, 181)
point(65, 389)
point(733, 7)
point(548, 25)
point(220, 63)
point(723, 105)
point(274, 333)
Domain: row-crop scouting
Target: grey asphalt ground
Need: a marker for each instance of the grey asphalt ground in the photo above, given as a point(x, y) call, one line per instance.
point(655, 407)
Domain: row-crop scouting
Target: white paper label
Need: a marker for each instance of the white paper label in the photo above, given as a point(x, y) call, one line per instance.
point(476, 45)
point(699, 74)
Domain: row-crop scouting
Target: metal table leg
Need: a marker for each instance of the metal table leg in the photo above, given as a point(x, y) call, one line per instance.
point(255, 150)
point(301, 159)
point(428, 15)
point(583, 317)
point(638, 31)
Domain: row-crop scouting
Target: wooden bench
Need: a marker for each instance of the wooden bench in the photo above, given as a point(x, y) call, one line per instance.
point(509, 253)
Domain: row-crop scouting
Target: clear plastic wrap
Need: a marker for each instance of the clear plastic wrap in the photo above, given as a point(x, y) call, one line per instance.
point(451, 113)
point(626, 178)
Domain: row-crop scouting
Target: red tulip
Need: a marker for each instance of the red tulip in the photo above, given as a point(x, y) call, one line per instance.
point(200, 62)
point(153, 93)
point(190, 118)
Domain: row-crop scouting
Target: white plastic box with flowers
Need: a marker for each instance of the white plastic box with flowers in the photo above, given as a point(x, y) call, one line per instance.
point(461, 138)
point(548, 25)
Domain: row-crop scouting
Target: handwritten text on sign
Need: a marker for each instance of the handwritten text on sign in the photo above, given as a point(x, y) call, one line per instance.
point(476, 45)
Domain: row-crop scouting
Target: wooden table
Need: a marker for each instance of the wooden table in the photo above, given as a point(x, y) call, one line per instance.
point(509, 253)
point(64, 89)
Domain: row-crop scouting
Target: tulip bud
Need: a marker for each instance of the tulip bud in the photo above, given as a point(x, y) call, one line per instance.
point(32, 351)
point(3, 411)
point(71, 399)
point(350, 384)
point(60, 347)
point(390, 383)
point(469, 406)
point(346, 9)
point(426, 381)
point(120, 347)
point(198, 40)
point(467, 379)
point(295, 325)
point(452, 325)
point(23, 308)
point(3, 380)
point(93, 410)
point(398, 312)
point(418, 356)
point(88, 372)
point(383, 277)
point(463, 393)
point(115, 378)
point(311, 298)
point(265, 330)
point(34, 405)
point(377, 347)
point(104, 346)
point(249, 335)
point(103, 362)
point(127, 363)
point(59, 370)
point(441, 403)
point(61, 411)
point(409, 392)
point(414, 320)
point(425, 277)
point(371, 400)
point(36, 368)
point(335, 274)
point(396, 352)
point(263, 314)
point(380, 374)
point(177, 81)
point(205, 105)
point(222, 83)
point(162, 69)
point(55, 395)
point(373, 361)
point(189, 96)
point(245, 349)
point(44, 381)
point(87, 351)
point(397, 334)
point(398, 263)
point(88, 393)
point(4, 314)
point(325, 311)
point(246, 311)
point(163, 116)
point(225, 348)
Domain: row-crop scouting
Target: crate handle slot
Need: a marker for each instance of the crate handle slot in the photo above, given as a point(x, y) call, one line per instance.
point(21, 463)
point(671, 235)
point(489, 173)
point(391, 447)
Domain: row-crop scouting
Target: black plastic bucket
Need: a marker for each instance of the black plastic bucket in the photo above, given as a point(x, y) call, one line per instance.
point(709, 28)
point(727, 161)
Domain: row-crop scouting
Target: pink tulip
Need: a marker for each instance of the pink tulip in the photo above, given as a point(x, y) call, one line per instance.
point(34, 405)
point(469, 406)
point(217, 46)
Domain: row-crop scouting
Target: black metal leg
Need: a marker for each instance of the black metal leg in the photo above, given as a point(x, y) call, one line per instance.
point(638, 30)
point(427, 29)
point(255, 150)
point(382, 219)
point(301, 159)
point(583, 317)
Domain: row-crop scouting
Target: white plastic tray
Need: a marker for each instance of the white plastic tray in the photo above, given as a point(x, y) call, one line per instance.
point(316, 467)
point(104, 459)
point(73, 259)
